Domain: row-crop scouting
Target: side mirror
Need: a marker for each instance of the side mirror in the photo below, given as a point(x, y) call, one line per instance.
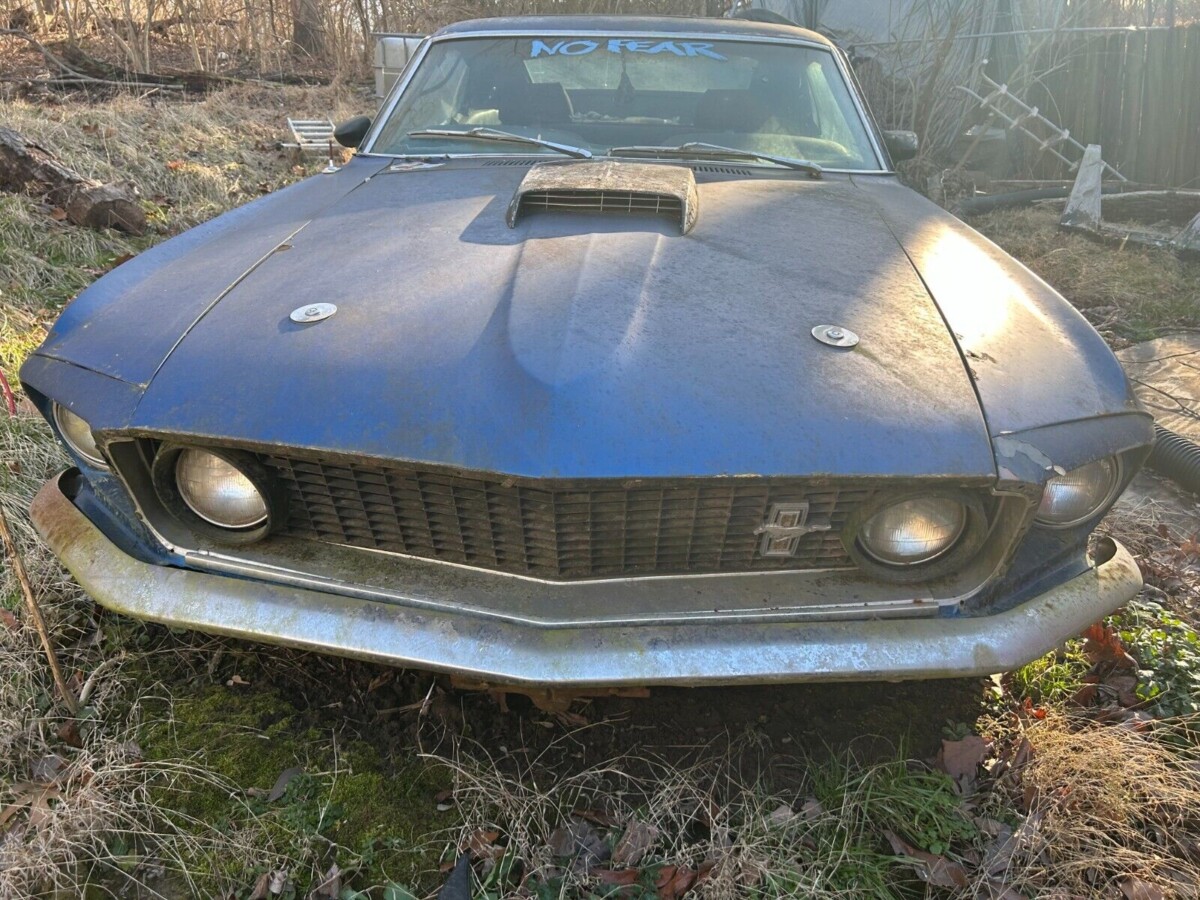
point(901, 145)
point(351, 132)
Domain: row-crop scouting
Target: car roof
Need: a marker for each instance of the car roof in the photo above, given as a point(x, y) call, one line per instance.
point(682, 25)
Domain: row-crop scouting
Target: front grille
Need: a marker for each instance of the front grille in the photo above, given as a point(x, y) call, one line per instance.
point(626, 202)
point(559, 529)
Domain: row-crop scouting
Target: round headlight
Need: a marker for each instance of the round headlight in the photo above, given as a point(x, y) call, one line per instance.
point(78, 435)
point(1078, 495)
point(913, 531)
point(218, 491)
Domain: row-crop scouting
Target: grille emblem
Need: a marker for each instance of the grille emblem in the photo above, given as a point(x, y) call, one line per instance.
point(785, 526)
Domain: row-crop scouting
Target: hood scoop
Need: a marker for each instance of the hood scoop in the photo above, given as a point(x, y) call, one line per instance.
point(608, 186)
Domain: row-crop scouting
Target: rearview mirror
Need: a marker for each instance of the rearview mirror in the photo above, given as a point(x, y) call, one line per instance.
point(351, 132)
point(901, 145)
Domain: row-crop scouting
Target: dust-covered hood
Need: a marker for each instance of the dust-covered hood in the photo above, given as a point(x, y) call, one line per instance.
point(577, 344)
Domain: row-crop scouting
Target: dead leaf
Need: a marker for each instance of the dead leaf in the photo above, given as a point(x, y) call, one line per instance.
point(812, 809)
point(931, 868)
point(281, 783)
point(781, 815)
point(175, 165)
point(330, 886)
point(11, 622)
point(961, 759)
point(37, 797)
point(1029, 797)
point(68, 733)
point(1125, 687)
point(47, 769)
point(261, 887)
point(1191, 547)
point(579, 842)
point(998, 854)
point(58, 214)
point(1135, 889)
point(677, 885)
point(634, 843)
point(1086, 695)
point(1029, 709)
point(1101, 643)
point(482, 844)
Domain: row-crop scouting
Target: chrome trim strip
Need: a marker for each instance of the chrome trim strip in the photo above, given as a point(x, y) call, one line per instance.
point(909, 607)
point(389, 102)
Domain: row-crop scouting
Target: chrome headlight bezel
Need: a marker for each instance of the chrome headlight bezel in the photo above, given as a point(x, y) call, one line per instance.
point(164, 476)
point(957, 554)
point(83, 444)
point(1106, 497)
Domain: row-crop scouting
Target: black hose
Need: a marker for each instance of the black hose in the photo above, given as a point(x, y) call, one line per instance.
point(1177, 458)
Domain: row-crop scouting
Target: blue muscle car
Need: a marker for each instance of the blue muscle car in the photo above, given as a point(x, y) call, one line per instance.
point(617, 355)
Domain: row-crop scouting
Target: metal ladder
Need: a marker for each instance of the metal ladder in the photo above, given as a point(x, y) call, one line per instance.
point(1017, 116)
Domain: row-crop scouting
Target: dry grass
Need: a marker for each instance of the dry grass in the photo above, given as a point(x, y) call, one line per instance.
point(189, 162)
point(1129, 293)
point(1105, 804)
point(718, 815)
point(77, 797)
point(95, 811)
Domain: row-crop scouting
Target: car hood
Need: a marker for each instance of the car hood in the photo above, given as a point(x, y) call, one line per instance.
point(584, 345)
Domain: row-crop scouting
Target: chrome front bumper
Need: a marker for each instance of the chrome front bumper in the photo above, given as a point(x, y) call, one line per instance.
point(492, 650)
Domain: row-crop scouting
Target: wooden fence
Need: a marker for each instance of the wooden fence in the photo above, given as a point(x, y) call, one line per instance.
point(1136, 93)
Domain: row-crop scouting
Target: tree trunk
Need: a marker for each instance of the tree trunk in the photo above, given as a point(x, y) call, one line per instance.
point(308, 31)
point(27, 167)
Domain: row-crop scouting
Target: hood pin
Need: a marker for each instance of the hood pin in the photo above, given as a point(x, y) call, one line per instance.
point(312, 312)
point(835, 336)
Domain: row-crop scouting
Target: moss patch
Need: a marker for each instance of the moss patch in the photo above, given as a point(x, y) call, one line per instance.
point(349, 804)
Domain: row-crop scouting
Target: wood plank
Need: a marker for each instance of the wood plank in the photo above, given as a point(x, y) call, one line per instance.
point(1132, 95)
point(1153, 154)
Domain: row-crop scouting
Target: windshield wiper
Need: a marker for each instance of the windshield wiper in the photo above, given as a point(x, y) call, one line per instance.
point(702, 150)
point(503, 137)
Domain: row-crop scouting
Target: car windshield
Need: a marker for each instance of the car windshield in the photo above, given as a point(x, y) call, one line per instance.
point(597, 93)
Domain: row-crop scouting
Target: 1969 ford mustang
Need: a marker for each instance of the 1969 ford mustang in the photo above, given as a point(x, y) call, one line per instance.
point(617, 355)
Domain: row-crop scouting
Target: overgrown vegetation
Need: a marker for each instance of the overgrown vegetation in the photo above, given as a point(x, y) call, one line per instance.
point(206, 767)
point(1130, 294)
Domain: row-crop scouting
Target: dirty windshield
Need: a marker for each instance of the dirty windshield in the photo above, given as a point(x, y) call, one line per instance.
point(597, 93)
